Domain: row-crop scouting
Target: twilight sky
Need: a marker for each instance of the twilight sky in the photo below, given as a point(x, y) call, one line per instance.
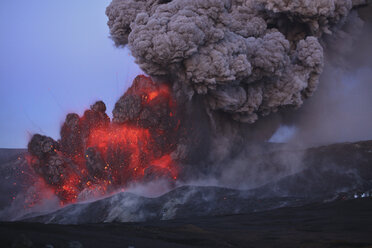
point(55, 58)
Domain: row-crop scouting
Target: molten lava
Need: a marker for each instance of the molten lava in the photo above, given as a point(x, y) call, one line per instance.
point(96, 156)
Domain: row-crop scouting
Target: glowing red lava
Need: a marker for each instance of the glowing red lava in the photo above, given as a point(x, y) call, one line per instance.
point(96, 156)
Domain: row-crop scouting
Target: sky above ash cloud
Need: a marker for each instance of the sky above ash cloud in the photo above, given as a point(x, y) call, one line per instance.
point(55, 57)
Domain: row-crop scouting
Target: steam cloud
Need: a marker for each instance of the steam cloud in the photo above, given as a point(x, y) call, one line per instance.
point(247, 58)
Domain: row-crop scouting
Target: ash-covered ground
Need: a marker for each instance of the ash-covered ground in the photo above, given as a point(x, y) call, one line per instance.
point(336, 224)
point(324, 204)
point(341, 171)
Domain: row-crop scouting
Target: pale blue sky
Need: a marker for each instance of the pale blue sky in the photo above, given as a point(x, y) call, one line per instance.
point(55, 58)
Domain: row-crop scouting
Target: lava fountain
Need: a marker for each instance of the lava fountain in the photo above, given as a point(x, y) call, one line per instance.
point(98, 156)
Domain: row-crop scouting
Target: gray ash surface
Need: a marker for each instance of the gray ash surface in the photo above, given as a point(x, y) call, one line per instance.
point(340, 171)
point(314, 207)
point(337, 224)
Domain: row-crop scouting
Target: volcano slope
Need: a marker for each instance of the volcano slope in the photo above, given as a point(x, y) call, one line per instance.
point(315, 207)
point(337, 224)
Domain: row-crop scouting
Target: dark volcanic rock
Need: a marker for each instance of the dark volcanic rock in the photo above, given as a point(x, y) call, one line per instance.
point(330, 172)
point(183, 202)
point(340, 171)
point(336, 224)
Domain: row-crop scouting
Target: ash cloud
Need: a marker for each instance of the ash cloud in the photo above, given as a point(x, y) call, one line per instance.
point(246, 58)
point(340, 110)
point(253, 62)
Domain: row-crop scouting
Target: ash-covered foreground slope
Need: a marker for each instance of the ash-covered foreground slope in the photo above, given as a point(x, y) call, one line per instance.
point(340, 171)
point(337, 224)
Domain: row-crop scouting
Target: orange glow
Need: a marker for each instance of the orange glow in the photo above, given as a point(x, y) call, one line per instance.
point(163, 162)
point(153, 95)
point(122, 153)
point(123, 139)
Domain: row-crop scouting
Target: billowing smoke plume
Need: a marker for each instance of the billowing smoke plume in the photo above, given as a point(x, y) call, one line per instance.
point(341, 108)
point(247, 58)
point(231, 63)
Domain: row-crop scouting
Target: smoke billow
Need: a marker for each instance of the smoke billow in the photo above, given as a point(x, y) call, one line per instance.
point(247, 58)
point(341, 108)
point(247, 64)
point(224, 74)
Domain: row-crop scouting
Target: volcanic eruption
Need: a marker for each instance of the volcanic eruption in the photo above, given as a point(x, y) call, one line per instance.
point(247, 58)
point(217, 69)
point(242, 64)
point(97, 155)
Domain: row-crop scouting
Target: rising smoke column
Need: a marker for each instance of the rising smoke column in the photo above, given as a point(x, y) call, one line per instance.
point(247, 58)
point(236, 60)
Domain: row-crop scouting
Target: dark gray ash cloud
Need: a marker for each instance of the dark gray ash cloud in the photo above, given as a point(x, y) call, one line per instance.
point(247, 58)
